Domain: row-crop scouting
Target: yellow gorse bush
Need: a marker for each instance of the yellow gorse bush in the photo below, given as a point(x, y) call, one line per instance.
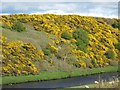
point(81, 63)
point(102, 36)
point(18, 58)
point(52, 48)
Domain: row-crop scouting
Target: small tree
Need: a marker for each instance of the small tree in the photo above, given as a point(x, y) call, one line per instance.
point(64, 52)
point(18, 26)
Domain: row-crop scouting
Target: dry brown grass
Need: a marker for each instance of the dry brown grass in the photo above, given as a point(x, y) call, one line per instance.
point(112, 83)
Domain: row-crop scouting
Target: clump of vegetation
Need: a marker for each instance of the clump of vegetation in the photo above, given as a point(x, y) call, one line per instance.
point(82, 39)
point(116, 25)
point(18, 26)
point(66, 35)
point(117, 46)
point(65, 52)
point(47, 52)
point(73, 39)
point(110, 54)
point(94, 62)
point(19, 57)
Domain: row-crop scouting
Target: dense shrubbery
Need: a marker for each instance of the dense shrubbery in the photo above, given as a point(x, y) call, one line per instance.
point(81, 37)
point(115, 23)
point(78, 40)
point(18, 58)
point(18, 26)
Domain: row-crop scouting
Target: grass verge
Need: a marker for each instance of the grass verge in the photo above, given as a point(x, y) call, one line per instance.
point(56, 75)
point(106, 85)
point(115, 84)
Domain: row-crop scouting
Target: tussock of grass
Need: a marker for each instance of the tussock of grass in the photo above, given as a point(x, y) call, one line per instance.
point(102, 84)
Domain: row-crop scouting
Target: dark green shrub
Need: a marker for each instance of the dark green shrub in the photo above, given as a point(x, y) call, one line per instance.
point(116, 25)
point(66, 35)
point(5, 26)
point(94, 62)
point(81, 46)
point(18, 26)
point(81, 35)
point(82, 39)
point(47, 52)
point(110, 54)
point(117, 46)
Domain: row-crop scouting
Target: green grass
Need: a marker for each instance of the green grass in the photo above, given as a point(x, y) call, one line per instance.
point(105, 85)
point(56, 75)
point(32, 36)
point(95, 70)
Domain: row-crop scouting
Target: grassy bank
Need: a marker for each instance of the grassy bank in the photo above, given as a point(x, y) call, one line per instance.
point(111, 84)
point(105, 85)
point(56, 75)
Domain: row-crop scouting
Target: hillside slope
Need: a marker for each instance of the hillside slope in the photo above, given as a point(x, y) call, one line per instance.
point(67, 41)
